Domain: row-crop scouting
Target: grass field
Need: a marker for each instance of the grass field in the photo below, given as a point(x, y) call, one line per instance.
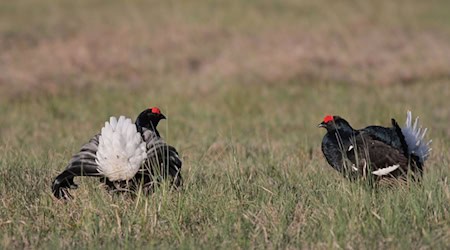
point(244, 84)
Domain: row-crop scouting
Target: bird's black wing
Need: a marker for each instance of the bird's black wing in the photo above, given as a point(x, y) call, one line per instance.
point(386, 135)
point(162, 161)
point(392, 136)
point(372, 156)
point(81, 164)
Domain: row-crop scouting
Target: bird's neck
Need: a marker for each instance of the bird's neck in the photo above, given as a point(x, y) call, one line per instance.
point(144, 122)
point(141, 129)
point(332, 150)
point(342, 135)
point(345, 130)
point(334, 145)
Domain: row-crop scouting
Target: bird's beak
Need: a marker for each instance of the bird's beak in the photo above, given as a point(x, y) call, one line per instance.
point(322, 125)
point(162, 117)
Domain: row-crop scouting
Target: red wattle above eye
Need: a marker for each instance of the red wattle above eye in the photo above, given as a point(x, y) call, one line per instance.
point(156, 110)
point(328, 118)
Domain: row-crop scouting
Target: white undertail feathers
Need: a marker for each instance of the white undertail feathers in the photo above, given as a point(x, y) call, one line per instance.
point(415, 138)
point(385, 171)
point(121, 149)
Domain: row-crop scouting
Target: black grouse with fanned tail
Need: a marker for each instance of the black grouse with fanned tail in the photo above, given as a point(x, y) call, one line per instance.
point(145, 162)
point(375, 151)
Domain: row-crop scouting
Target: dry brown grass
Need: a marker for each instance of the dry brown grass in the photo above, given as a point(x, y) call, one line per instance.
point(363, 57)
point(347, 43)
point(374, 56)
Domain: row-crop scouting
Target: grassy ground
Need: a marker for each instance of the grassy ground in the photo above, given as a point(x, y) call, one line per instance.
point(244, 85)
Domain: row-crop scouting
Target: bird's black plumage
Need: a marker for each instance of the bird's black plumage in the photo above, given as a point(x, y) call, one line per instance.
point(149, 119)
point(335, 141)
point(372, 151)
point(393, 136)
point(390, 135)
point(162, 161)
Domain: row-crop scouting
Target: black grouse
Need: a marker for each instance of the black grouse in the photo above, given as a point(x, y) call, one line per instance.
point(125, 156)
point(375, 151)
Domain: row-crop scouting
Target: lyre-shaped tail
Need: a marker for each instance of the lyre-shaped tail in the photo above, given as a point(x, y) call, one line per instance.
point(415, 138)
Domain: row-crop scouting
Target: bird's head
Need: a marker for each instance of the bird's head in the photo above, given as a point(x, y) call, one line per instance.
point(149, 119)
point(332, 123)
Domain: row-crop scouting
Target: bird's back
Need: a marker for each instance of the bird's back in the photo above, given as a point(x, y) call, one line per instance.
point(390, 136)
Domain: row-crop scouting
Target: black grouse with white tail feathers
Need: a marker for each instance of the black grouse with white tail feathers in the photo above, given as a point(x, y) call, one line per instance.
point(125, 156)
point(375, 151)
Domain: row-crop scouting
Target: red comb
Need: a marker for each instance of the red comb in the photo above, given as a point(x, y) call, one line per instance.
point(155, 110)
point(328, 118)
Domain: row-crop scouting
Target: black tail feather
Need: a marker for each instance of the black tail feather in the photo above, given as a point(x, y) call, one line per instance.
point(414, 160)
point(64, 181)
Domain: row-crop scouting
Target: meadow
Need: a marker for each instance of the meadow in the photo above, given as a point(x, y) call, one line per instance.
point(244, 85)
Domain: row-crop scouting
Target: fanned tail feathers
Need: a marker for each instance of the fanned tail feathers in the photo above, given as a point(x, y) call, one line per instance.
point(121, 149)
point(415, 138)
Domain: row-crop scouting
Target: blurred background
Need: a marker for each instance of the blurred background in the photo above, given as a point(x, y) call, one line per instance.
point(47, 45)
